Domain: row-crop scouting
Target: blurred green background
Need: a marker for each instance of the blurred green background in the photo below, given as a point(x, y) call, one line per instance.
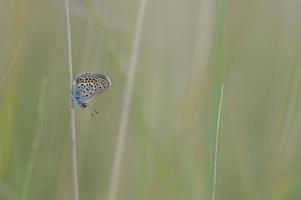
point(170, 140)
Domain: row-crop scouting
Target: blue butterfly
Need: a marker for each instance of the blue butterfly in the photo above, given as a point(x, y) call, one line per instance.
point(88, 85)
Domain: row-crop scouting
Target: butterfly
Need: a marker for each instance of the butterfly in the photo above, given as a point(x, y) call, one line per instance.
point(88, 85)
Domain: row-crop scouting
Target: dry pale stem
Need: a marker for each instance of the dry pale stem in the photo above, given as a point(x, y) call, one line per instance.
point(114, 181)
point(71, 108)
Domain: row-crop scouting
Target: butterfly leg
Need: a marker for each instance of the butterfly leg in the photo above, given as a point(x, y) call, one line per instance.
point(92, 110)
point(72, 103)
point(95, 111)
point(72, 99)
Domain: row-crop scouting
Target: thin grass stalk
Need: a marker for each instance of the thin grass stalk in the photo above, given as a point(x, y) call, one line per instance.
point(291, 108)
point(216, 148)
point(218, 85)
point(71, 107)
point(286, 130)
point(36, 142)
point(11, 64)
point(6, 191)
point(119, 151)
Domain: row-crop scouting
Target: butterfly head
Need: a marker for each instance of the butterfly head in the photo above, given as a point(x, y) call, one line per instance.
point(83, 105)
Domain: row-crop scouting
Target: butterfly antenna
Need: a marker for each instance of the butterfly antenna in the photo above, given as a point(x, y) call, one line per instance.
point(95, 111)
point(92, 110)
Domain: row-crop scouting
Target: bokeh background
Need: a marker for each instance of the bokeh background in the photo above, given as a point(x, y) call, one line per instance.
point(188, 49)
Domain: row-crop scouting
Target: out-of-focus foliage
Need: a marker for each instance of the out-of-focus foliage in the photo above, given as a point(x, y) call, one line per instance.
point(170, 137)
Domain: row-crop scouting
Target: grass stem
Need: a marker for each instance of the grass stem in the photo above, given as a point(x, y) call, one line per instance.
point(36, 142)
point(216, 149)
point(219, 86)
point(71, 107)
point(119, 151)
point(11, 64)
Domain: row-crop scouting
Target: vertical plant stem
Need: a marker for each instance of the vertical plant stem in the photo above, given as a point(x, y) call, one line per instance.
point(11, 64)
point(119, 151)
point(71, 107)
point(36, 142)
point(216, 148)
point(219, 86)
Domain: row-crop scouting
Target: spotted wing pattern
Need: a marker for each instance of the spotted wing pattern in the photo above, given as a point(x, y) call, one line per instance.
point(88, 85)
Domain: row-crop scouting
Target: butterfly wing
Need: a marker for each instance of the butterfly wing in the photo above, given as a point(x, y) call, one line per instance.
point(87, 85)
